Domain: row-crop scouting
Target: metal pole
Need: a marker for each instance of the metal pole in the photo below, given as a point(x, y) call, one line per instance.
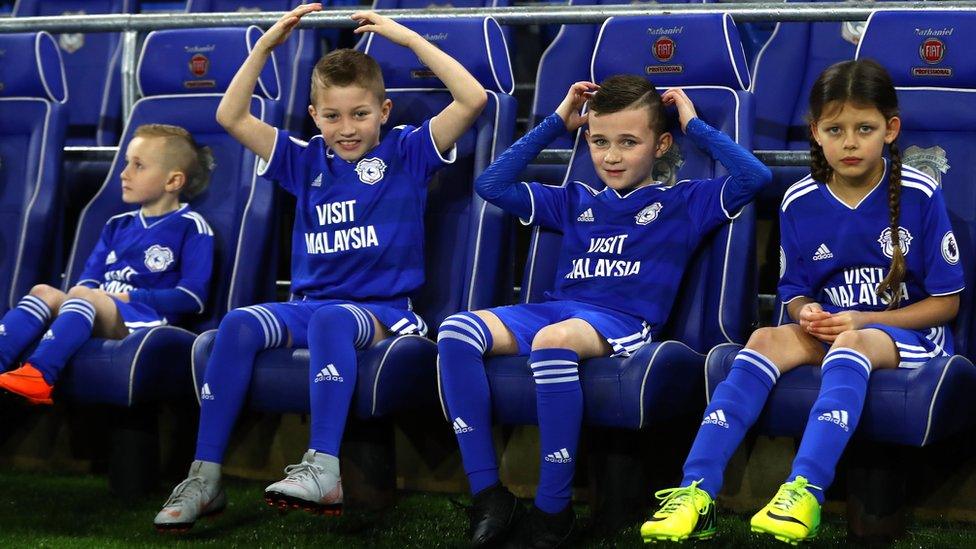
point(129, 92)
point(520, 15)
point(548, 156)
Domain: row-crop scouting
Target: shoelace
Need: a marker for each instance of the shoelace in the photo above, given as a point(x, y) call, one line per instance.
point(673, 498)
point(303, 471)
point(791, 492)
point(184, 490)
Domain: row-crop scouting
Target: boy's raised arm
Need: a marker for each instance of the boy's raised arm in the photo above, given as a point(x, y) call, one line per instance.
point(469, 96)
point(234, 112)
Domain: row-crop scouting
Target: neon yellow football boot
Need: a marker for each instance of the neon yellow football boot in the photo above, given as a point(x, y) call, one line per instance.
point(792, 516)
point(685, 513)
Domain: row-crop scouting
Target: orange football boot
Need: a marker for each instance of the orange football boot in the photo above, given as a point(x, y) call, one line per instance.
point(27, 382)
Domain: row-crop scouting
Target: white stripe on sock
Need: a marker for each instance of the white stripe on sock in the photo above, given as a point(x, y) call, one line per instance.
point(560, 371)
point(544, 363)
point(556, 380)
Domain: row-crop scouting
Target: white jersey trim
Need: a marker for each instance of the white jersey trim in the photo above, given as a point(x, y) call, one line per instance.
point(798, 189)
point(531, 218)
point(194, 296)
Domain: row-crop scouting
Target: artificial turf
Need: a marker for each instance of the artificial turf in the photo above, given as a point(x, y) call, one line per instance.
point(43, 510)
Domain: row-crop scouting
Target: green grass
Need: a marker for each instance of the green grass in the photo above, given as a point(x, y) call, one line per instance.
point(77, 511)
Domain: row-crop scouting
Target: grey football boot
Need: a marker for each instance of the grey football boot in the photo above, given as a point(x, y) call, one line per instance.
point(198, 496)
point(313, 485)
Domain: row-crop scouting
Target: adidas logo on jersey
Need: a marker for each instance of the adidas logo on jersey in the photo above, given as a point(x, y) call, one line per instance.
point(3, 329)
point(560, 456)
point(317, 182)
point(205, 393)
point(329, 373)
point(823, 252)
point(461, 427)
point(110, 258)
point(48, 336)
point(586, 217)
point(716, 418)
point(837, 417)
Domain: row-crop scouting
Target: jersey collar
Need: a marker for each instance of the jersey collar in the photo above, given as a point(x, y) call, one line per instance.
point(882, 179)
point(157, 220)
point(651, 185)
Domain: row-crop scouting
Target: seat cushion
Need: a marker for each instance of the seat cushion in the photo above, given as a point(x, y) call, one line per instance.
point(148, 366)
point(914, 407)
point(394, 375)
point(659, 381)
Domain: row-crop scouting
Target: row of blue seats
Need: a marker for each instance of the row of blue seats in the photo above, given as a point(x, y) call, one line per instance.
point(791, 55)
point(467, 239)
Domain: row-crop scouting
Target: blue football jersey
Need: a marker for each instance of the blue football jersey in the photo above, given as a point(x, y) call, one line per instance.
point(172, 251)
point(627, 252)
point(837, 255)
point(359, 226)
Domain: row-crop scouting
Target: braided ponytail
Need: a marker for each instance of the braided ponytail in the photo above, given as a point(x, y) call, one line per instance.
point(891, 285)
point(819, 168)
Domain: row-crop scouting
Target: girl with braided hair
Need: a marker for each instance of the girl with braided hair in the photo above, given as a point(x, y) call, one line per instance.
point(870, 276)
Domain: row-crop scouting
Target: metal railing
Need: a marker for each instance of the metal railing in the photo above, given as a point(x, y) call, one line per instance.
point(131, 24)
point(519, 15)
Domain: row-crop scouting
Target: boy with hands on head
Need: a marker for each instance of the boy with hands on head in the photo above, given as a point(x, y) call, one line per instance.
point(359, 225)
point(622, 256)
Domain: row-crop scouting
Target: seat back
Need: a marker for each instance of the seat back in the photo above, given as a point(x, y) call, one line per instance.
point(296, 57)
point(783, 73)
point(702, 54)
point(930, 60)
point(182, 75)
point(785, 70)
point(467, 239)
point(567, 60)
point(33, 91)
point(92, 66)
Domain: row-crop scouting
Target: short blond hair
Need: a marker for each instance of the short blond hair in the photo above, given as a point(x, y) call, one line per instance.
point(346, 67)
point(184, 154)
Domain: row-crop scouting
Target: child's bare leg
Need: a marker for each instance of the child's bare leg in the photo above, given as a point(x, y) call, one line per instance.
point(51, 296)
point(108, 322)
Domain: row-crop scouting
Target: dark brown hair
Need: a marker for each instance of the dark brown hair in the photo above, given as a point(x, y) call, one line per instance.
point(346, 67)
point(864, 83)
point(184, 154)
point(626, 91)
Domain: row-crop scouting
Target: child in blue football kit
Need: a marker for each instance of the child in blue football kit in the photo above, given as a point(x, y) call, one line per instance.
point(875, 291)
point(150, 267)
point(358, 229)
point(623, 252)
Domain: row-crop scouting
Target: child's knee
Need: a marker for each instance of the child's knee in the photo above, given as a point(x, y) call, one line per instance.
point(48, 294)
point(851, 339)
point(556, 336)
point(81, 292)
point(466, 328)
point(333, 317)
point(765, 340)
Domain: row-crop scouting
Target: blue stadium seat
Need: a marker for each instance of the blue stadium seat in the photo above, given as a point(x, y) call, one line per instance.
point(296, 57)
point(567, 60)
point(466, 238)
point(92, 66)
point(423, 4)
point(181, 75)
point(783, 73)
point(33, 91)
point(935, 76)
point(717, 301)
